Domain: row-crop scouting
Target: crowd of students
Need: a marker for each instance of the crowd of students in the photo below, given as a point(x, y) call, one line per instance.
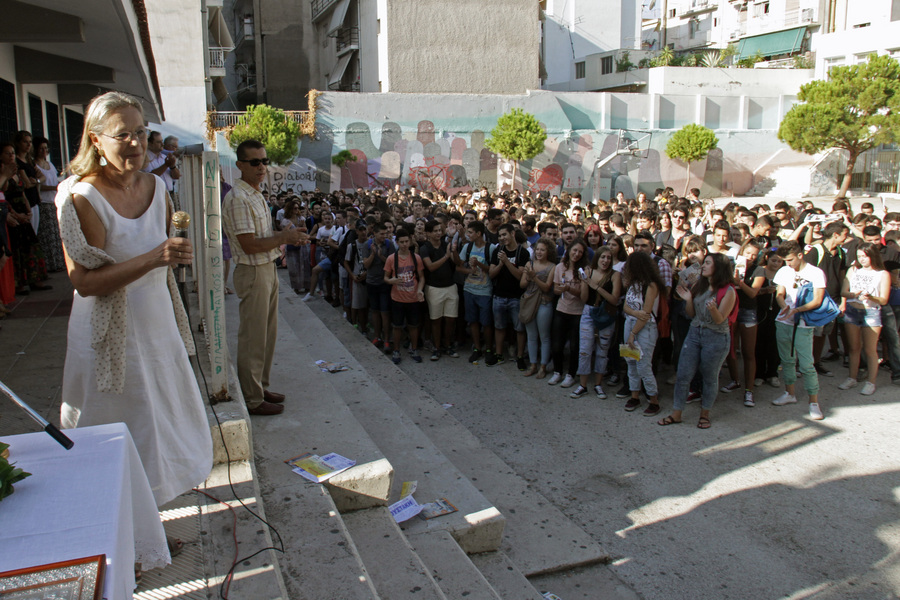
point(586, 294)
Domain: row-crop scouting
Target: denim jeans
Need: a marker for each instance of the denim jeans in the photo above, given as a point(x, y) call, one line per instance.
point(538, 330)
point(704, 350)
point(802, 355)
point(593, 342)
point(642, 370)
point(890, 340)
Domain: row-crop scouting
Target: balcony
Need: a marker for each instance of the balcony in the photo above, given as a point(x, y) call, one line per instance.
point(225, 120)
point(244, 31)
point(320, 7)
point(346, 39)
point(217, 61)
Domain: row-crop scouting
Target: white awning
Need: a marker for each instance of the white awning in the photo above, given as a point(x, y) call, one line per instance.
point(338, 72)
point(338, 16)
point(218, 30)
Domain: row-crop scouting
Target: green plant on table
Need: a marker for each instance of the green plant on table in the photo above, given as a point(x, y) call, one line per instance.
point(9, 474)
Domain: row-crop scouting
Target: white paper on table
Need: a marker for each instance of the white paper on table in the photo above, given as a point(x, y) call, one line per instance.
point(405, 509)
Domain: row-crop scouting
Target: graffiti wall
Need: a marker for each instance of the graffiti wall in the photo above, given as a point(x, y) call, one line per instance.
point(437, 142)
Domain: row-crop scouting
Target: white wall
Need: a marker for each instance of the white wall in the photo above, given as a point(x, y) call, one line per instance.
point(727, 82)
point(847, 47)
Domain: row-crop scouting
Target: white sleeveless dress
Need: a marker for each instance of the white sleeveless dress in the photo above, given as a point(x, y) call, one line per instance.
point(161, 403)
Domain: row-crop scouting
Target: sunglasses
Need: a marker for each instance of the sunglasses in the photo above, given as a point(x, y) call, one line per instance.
point(255, 162)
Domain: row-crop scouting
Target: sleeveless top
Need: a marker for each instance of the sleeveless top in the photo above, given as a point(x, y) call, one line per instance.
point(702, 316)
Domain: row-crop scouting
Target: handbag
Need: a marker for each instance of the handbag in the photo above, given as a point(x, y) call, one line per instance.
point(529, 304)
point(603, 314)
point(822, 315)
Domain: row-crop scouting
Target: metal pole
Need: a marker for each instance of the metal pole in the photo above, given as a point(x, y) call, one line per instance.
point(55, 433)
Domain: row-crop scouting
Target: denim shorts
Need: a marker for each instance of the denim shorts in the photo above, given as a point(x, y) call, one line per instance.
point(506, 311)
point(862, 317)
point(478, 309)
point(379, 297)
point(747, 317)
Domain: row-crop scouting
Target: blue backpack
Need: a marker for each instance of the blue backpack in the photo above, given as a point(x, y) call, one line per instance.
point(824, 314)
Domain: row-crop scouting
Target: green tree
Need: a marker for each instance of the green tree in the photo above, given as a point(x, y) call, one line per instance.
point(518, 136)
point(690, 144)
point(857, 108)
point(342, 158)
point(273, 128)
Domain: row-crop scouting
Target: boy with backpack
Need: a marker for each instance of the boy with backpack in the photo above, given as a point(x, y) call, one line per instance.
point(404, 271)
point(795, 339)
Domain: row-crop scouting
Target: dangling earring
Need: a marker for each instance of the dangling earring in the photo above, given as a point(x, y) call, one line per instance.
point(103, 162)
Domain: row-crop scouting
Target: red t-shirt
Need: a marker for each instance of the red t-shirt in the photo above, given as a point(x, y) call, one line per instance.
point(410, 270)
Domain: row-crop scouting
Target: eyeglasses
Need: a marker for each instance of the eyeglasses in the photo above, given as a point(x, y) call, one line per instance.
point(255, 162)
point(126, 137)
point(679, 217)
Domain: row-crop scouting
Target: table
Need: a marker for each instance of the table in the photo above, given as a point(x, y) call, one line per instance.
point(92, 499)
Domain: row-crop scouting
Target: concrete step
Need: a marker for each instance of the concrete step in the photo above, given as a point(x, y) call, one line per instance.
point(395, 567)
point(477, 525)
point(223, 522)
point(538, 537)
point(505, 577)
point(458, 576)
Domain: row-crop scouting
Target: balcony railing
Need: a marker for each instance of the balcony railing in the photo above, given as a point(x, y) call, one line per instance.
point(320, 7)
point(346, 39)
point(226, 119)
point(217, 57)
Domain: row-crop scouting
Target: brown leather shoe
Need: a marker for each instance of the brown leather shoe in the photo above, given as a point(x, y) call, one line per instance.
point(273, 397)
point(266, 409)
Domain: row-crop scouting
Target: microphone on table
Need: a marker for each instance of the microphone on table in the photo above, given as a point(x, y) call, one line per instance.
point(50, 428)
point(180, 222)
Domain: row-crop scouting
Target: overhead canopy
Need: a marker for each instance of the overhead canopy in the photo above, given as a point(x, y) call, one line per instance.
point(338, 16)
point(772, 44)
point(219, 35)
point(338, 73)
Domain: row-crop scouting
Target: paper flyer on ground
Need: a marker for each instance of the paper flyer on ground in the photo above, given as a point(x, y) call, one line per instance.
point(405, 509)
point(439, 507)
point(330, 367)
point(319, 468)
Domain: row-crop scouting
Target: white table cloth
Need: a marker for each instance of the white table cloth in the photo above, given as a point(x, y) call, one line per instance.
point(92, 499)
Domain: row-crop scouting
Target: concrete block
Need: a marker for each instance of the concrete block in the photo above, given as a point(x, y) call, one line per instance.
point(236, 435)
point(451, 568)
point(361, 486)
point(395, 568)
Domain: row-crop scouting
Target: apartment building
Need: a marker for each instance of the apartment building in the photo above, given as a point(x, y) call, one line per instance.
point(284, 48)
point(855, 30)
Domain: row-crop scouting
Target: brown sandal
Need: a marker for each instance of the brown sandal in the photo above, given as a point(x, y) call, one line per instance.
point(667, 421)
point(704, 423)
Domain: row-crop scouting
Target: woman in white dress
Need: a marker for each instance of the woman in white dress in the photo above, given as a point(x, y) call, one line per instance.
point(48, 228)
point(144, 380)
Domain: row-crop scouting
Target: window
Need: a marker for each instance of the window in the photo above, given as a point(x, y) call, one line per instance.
point(861, 25)
point(606, 65)
point(9, 123)
point(835, 61)
point(53, 132)
point(74, 127)
point(672, 13)
point(36, 110)
point(761, 9)
point(579, 70)
point(863, 58)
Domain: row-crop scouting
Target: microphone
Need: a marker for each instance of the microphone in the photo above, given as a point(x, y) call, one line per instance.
point(181, 221)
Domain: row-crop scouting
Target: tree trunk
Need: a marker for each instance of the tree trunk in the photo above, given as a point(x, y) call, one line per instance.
point(687, 180)
point(515, 169)
point(845, 185)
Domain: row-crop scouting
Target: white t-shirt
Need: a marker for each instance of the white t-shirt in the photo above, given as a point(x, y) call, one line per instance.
point(792, 281)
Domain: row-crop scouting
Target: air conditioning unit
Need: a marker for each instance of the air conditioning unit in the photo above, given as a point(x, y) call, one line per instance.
point(807, 15)
point(734, 35)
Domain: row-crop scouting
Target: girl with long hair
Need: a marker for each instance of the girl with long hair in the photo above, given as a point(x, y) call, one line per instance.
point(767, 359)
point(867, 287)
point(594, 237)
point(604, 288)
point(569, 284)
point(619, 254)
point(645, 290)
point(709, 338)
point(539, 273)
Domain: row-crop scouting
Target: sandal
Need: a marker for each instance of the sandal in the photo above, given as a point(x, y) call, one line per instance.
point(667, 421)
point(175, 546)
point(704, 423)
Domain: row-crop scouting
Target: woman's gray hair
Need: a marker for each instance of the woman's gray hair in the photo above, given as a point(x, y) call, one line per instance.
point(87, 161)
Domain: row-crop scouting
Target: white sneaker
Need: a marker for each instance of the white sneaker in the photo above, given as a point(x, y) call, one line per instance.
point(775, 381)
point(783, 399)
point(848, 383)
point(568, 382)
point(599, 391)
point(556, 378)
point(727, 389)
point(758, 382)
point(748, 399)
point(815, 413)
point(868, 389)
point(672, 379)
point(578, 392)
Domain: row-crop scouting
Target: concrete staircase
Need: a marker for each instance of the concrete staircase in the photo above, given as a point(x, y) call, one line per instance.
point(340, 540)
point(784, 182)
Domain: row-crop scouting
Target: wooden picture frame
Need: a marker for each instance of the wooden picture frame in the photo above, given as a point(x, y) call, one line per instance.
point(79, 579)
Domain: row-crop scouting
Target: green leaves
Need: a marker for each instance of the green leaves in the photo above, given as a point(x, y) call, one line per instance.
point(271, 127)
point(9, 474)
point(856, 109)
point(518, 136)
point(691, 143)
point(342, 158)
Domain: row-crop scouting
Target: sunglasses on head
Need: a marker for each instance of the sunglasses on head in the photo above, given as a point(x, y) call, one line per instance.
point(255, 162)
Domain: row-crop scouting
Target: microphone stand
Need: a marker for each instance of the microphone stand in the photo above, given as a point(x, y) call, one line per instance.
point(50, 428)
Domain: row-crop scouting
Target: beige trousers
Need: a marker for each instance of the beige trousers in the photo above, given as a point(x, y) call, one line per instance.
point(257, 288)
